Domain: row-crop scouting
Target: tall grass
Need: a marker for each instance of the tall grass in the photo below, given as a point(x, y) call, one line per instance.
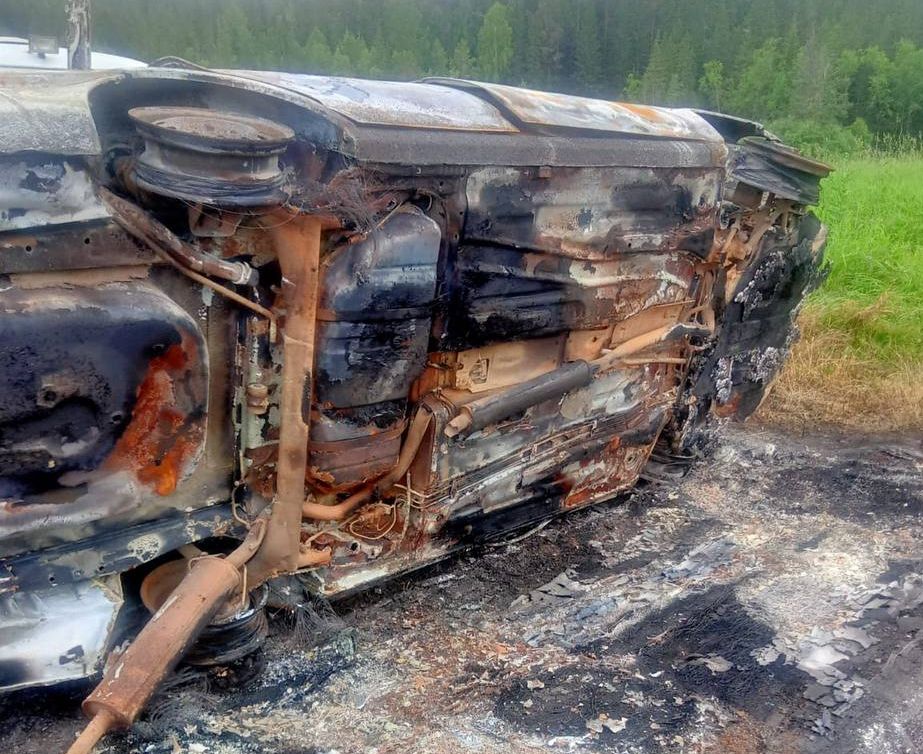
point(860, 362)
point(902, 146)
point(874, 210)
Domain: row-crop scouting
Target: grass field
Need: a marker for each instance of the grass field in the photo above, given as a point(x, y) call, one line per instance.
point(860, 360)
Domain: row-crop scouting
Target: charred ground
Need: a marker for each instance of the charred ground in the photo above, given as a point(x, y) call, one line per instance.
point(771, 602)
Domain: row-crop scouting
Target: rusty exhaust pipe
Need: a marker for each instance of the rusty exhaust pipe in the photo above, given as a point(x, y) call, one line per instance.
point(575, 374)
point(130, 681)
point(272, 547)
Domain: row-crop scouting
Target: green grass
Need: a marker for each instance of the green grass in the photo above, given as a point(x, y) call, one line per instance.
point(859, 363)
point(873, 208)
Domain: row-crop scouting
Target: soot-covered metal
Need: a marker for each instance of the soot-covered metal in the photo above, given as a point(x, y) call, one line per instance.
point(346, 328)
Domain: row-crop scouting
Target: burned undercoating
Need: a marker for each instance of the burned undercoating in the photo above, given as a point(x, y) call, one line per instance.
point(263, 329)
point(771, 601)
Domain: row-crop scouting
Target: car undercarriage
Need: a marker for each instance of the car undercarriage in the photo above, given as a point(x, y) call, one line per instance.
point(263, 326)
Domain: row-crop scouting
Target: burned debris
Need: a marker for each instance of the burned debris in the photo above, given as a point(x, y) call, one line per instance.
point(257, 324)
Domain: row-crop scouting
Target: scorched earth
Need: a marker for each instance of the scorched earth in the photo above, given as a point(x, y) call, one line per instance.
point(770, 602)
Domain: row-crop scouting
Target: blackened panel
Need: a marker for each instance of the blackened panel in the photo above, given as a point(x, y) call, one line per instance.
point(377, 299)
point(758, 327)
point(592, 213)
point(71, 363)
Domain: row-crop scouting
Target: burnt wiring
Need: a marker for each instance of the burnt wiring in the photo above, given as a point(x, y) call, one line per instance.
point(360, 517)
point(521, 537)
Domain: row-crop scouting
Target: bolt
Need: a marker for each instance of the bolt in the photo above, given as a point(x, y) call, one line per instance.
point(257, 398)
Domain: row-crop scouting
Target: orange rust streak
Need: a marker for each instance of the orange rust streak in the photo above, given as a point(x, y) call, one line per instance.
point(645, 112)
point(153, 443)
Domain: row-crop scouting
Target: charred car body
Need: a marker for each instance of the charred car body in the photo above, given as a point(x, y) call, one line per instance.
point(343, 328)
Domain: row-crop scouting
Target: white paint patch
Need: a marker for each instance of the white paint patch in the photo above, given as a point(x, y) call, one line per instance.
point(145, 547)
point(58, 634)
point(70, 198)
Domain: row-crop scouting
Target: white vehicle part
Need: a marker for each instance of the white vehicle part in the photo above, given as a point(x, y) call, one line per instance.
point(58, 634)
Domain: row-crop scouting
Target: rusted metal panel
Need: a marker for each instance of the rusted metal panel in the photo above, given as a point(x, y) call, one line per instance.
point(391, 103)
point(548, 109)
point(68, 247)
point(504, 364)
point(115, 552)
point(112, 410)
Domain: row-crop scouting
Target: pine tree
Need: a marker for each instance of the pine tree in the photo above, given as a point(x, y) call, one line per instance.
point(544, 53)
point(495, 43)
point(318, 56)
point(668, 80)
point(351, 56)
point(462, 64)
point(764, 89)
point(656, 77)
point(438, 64)
point(230, 45)
point(588, 55)
point(404, 65)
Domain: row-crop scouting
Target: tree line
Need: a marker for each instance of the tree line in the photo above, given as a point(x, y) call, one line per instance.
point(852, 65)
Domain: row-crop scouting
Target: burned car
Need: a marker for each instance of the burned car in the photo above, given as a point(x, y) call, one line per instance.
point(261, 324)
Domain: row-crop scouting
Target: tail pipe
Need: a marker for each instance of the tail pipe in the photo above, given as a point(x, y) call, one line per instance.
point(131, 679)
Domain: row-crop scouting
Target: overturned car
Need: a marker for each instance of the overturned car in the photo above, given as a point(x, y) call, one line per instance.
point(260, 324)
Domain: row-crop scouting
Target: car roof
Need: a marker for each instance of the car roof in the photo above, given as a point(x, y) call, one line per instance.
point(14, 53)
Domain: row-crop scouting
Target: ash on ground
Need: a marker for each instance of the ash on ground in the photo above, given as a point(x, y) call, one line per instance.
point(771, 601)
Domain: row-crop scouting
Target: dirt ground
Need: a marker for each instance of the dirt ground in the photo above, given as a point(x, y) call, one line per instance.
point(770, 602)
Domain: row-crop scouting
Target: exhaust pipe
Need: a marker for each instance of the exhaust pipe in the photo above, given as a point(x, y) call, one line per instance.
point(133, 677)
point(273, 544)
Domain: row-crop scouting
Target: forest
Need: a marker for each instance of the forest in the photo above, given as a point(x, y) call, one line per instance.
point(843, 71)
point(841, 79)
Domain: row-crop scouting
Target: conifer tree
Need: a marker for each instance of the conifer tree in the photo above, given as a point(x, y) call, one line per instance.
point(318, 57)
point(462, 64)
point(495, 43)
point(588, 57)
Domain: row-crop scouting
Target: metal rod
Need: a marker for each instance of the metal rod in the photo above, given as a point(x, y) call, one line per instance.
point(78, 42)
point(143, 226)
point(297, 242)
point(101, 724)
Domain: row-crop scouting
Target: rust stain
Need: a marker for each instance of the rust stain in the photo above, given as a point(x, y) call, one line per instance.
point(648, 113)
point(159, 439)
point(724, 410)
